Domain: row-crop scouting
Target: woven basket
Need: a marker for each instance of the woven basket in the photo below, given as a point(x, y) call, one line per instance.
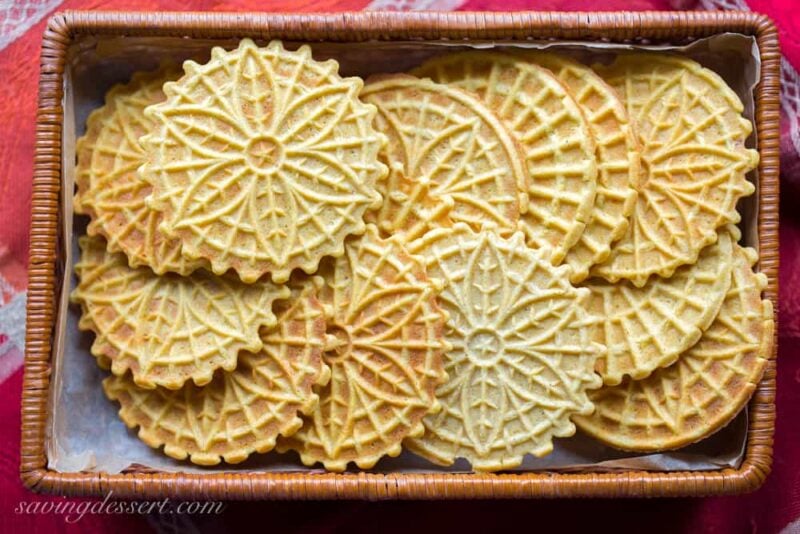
point(46, 251)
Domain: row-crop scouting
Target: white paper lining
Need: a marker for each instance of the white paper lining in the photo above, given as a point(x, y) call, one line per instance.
point(84, 432)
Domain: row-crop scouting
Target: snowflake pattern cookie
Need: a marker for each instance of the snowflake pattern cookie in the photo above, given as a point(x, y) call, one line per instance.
point(522, 357)
point(262, 160)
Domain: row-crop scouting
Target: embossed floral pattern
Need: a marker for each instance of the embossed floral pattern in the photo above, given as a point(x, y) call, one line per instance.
point(384, 349)
point(522, 358)
point(262, 160)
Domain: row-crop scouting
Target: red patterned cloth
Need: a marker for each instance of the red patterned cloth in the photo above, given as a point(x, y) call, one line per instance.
point(774, 508)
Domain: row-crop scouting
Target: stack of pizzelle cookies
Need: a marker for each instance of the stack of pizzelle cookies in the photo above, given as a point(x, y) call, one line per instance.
point(678, 302)
point(463, 261)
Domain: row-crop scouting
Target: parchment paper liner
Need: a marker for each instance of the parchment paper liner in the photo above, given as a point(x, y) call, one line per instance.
point(84, 432)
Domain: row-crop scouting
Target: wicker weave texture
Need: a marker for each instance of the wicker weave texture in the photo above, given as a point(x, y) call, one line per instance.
point(45, 275)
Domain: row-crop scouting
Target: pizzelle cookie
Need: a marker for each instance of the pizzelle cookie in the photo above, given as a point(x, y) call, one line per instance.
point(168, 329)
point(708, 385)
point(446, 141)
point(649, 327)
point(692, 133)
point(554, 136)
point(522, 359)
point(262, 160)
point(109, 189)
point(618, 159)
point(385, 346)
point(241, 411)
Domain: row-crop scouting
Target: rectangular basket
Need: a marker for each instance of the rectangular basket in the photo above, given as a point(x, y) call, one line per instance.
point(45, 276)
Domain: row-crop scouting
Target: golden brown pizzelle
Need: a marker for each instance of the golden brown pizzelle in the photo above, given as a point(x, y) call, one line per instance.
point(109, 188)
point(618, 158)
point(262, 160)
point(442, 222)
point(648, 327)
point(241, 411)
point(385, 347)
point(447, 144)
point(522, 357)
point(693, 134)
point(708, 385)
point(168, 329)
point(554, 137)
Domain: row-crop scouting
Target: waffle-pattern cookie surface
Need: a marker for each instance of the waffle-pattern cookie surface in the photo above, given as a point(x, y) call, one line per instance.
point(618, 159)
point(448, 145)
point(467, 261)
point(168, 329)
point(692, 133)
point(109, 189)
point(552, 132)
point(649, 327)
point(385, 346)
point(262, 160)
point(242, 411)
point(708, 385)
point(522, 359)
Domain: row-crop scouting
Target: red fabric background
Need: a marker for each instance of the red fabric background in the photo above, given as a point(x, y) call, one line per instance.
point(768, 510)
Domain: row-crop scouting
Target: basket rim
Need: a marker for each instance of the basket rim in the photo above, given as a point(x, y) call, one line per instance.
point(44, 282)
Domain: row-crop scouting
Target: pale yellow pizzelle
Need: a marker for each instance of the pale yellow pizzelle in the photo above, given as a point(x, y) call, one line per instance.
point(618, 158)
point(522, 357)
point(109, 189)
point(385, 346)
point(262, 160)
point(650, 327)
point(446, 146)
point(239, 412)
point(708, 385)
point(168, 329)
point(554, 137)
point(695, 161)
